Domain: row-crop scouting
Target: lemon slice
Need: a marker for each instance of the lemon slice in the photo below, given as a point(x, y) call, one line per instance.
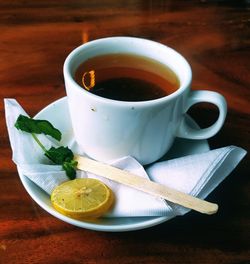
point(82, 198)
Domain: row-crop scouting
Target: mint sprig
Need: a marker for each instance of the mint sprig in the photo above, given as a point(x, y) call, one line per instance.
point(61, 155)
point(36, 126)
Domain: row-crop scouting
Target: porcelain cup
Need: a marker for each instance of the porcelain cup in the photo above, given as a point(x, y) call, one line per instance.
point(108, 129)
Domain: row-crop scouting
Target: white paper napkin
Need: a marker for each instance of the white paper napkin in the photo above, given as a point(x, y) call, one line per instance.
point(197, 175)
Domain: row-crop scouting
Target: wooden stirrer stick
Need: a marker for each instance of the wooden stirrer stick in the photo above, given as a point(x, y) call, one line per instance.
point(145, 185)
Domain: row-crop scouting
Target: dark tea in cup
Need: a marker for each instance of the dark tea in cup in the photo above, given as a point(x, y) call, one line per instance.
point(126, 77)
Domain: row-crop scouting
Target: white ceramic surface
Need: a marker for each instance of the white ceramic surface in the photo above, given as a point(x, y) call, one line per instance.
point(58, 114)
point(109, 129)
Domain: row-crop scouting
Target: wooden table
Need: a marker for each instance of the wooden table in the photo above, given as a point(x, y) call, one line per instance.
point(35, 38)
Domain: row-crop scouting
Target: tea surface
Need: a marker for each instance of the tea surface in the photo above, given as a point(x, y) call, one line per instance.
point(126, 77)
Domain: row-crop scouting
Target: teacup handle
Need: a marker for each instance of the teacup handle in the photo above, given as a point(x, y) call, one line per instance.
point(185, 131)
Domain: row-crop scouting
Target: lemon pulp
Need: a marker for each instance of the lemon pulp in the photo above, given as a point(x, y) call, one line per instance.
point(82, 198)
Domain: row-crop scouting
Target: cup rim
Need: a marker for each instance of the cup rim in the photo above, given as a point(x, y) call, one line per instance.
point(68, 76)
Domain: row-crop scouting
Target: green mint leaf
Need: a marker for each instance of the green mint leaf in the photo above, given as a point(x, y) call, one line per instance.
point(36, 126)
point(70, 168)
point(59, 155)
point(65, 157)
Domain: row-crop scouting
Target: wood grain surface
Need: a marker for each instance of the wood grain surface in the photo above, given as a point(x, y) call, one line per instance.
point(214, 36)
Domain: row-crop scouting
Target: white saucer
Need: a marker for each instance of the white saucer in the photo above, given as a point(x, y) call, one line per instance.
point(57, 113)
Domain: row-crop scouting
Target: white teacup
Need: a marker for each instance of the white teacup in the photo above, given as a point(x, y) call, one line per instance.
point(107, 129)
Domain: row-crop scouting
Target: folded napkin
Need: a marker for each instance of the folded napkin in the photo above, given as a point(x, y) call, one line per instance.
point(197, 174)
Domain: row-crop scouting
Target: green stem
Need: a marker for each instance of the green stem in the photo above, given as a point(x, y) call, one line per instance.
point(39, 142)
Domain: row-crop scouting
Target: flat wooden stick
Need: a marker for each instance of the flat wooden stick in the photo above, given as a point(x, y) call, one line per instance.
point(145, 185)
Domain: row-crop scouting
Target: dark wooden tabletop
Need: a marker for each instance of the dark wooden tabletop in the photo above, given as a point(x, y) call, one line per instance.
point(214, 36)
